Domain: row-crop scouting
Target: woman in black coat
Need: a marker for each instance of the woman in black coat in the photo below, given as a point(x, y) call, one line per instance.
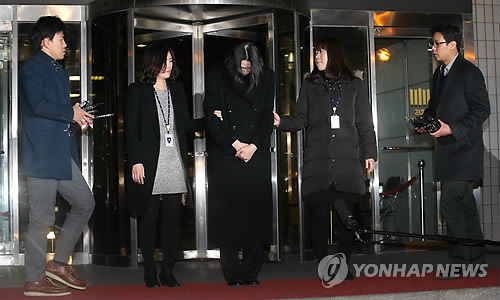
point(333, 108)
point(157, 124)
point(238, 107)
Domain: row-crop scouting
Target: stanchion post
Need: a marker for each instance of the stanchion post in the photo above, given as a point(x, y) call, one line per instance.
point(421, 165)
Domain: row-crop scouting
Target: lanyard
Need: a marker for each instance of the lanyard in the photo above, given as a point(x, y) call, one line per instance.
point(167, 120)
point(335, 102)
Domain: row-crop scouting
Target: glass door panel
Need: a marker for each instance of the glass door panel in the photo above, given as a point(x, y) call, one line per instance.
point(198, 48)
point(181, 44)
point(291, 57)
point(72, 64)
point(109, 70)
point(404, 71)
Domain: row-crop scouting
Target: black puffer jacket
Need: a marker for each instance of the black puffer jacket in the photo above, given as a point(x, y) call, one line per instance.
point(333, 156)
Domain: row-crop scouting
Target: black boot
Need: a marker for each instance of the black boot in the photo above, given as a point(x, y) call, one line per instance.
point(352, 225)
point(150, 277)
point(167, 278)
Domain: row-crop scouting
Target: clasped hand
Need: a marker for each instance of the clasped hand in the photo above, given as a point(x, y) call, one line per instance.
point(244, 151)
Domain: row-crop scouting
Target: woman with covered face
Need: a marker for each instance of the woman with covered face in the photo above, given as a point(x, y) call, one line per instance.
point(157, 128)
point(334, 110)
point(238, 108)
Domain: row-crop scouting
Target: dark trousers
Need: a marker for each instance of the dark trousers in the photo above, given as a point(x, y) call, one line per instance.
point(319, 204)
point(459, 209)
point(166, 208)
point(245, 269)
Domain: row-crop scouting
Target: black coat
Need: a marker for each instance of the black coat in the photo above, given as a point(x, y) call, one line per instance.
point(333, 156)
point(464, 106)
point(143, 137)
point(239, 193)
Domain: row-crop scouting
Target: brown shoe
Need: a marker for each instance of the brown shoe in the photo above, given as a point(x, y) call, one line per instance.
point(45, 287)
point(64, 274)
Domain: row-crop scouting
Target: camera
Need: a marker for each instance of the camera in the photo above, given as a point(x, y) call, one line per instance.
point(429, 123)
point(93, 109)
point(90, 108)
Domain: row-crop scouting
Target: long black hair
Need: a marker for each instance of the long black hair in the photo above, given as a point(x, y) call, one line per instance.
point(155, 57)
point(45, 27)
point(245, 51)
point(337, 67)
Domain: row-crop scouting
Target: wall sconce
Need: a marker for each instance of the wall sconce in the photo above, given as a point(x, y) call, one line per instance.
point(384, 54)
point(290, 60)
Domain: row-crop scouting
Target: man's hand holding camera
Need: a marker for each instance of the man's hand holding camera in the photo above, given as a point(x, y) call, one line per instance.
point(81, 117)
point(444, 130)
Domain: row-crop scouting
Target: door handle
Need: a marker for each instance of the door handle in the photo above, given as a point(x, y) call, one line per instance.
point(2, 152)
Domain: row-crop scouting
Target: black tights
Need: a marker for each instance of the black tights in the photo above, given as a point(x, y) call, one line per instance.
point(169, 210)
point(319, 203)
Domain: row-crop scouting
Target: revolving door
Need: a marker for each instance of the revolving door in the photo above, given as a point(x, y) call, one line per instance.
point(117, 44)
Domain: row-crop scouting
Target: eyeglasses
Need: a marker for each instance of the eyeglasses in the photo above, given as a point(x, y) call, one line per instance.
point(435, 44)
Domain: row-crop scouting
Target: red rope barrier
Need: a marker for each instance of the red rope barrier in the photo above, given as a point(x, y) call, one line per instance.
point(400, 188)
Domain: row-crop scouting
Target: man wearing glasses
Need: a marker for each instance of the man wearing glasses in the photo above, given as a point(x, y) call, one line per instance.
point(459, 101)
point(50, 161)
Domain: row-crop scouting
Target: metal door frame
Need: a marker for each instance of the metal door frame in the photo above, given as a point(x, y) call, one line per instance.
point(30, 13)
point(386, 24)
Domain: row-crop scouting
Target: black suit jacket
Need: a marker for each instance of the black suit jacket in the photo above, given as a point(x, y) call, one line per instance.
point(143, 137)
point(464, 106)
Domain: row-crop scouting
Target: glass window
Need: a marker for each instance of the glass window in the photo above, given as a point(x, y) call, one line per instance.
point(404, 71)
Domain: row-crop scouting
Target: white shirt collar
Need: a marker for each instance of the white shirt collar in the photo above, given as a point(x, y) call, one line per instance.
point(447, 69)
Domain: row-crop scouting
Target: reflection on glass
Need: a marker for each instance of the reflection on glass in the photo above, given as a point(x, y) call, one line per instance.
point(109, 81)
point(403, 89)
point(286, 69)
point(5, 211)
point(72, 65)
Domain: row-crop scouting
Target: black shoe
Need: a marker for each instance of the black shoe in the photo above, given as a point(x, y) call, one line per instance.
point(252, 282)
point(352, 225)
point(168, 279)
point(150, 278)
point(235, 283)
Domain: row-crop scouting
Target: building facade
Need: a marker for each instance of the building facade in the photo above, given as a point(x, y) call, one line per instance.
point(386, 42)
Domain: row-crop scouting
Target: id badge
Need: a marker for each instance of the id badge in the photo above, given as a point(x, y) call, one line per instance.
point(169, 140)
point(335, 122)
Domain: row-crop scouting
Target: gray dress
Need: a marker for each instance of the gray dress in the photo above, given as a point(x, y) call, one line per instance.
point(170, 174)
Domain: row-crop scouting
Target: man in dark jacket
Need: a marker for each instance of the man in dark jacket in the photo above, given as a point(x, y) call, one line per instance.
point(50, 160)
point(460, 102)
